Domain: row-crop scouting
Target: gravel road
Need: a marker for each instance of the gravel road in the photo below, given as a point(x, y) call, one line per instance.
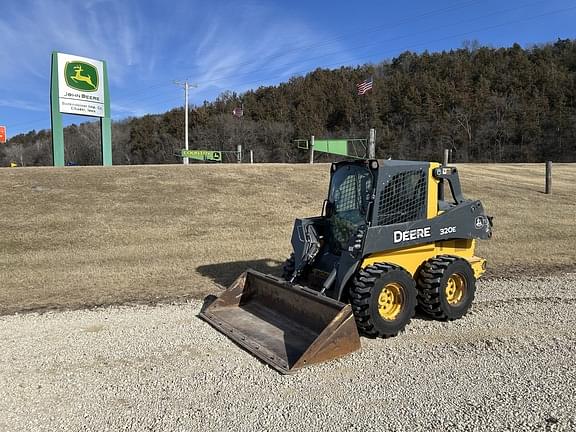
point(508, 365)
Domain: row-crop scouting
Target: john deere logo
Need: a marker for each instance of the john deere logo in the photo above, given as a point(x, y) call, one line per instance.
point(81, 76)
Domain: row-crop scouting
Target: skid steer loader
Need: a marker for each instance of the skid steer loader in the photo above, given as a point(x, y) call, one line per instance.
point(388, 240)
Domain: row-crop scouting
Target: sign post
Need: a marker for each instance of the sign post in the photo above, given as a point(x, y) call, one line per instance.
point(2, 134)
point(79, 85)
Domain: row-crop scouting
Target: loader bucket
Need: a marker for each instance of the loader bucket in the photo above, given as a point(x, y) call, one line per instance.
point(287, 326)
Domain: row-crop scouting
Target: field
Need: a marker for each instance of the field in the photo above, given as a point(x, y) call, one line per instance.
point(90, 236)
point(81, 237)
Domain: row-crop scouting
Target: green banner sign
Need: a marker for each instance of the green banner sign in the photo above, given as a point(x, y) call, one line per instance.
point(209, 155)
point(339, 147)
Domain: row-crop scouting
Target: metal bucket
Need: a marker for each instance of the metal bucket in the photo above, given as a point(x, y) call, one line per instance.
point(287, 326)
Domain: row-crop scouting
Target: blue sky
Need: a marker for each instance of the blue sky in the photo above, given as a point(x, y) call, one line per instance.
point(237, 45)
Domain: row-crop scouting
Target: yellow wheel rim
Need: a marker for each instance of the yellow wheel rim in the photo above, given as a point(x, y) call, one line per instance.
point(455, 289)
point(390, 301)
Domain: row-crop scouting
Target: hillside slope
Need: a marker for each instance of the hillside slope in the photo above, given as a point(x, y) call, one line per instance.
point(79, 237)
point(488, 104)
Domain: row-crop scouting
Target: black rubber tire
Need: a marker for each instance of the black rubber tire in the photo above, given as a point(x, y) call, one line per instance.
point(288, 267)
point(363, 296)
point(432, 281)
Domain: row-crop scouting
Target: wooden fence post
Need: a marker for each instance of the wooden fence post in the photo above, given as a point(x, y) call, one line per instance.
point(446, 157)
point(548, 177)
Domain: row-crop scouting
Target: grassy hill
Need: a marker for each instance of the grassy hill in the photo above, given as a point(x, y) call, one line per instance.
point(86, 236)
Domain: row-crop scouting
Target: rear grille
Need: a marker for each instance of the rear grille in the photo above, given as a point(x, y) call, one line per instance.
point(403, 199)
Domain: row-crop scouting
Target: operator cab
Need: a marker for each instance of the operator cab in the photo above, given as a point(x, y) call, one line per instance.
point(349, 203)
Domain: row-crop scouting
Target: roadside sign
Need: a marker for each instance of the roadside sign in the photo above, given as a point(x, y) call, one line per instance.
point(2, 134)
point(204, 155)
point(80, 90)
point(79, 85)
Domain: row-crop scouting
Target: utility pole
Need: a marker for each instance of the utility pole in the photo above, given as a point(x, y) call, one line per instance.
point(186, 85)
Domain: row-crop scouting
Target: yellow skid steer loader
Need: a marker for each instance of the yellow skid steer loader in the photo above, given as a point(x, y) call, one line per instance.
point(388, 241)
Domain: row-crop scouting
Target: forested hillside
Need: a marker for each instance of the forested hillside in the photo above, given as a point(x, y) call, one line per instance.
point(488, 105)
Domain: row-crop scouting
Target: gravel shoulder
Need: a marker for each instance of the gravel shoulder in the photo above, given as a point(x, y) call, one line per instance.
point(508, 365)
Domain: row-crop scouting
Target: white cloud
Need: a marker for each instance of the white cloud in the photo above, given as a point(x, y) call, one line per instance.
point(220, 45)
point(121, 111)
point(251, 43)
point(32, 29)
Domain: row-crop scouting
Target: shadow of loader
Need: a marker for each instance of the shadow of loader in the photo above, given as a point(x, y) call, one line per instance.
point(224, 274)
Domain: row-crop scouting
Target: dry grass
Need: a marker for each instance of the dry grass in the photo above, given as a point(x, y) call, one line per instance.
point(79, 237)
point(534, 233)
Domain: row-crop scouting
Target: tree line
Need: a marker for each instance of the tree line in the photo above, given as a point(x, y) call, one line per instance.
point(486, 104)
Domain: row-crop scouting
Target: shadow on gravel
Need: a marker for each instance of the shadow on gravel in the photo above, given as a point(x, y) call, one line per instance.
point(225, 273)
point(419, 315)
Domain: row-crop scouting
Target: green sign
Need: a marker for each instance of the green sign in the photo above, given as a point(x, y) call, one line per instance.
point(339, 147)
point(79, 85)
point(210, 155)
point(81, 76)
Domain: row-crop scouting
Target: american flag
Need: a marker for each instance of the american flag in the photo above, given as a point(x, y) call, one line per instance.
point(364, 86)
point(238, 111)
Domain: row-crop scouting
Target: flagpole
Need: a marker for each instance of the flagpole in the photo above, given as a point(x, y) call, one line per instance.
point(363, 88)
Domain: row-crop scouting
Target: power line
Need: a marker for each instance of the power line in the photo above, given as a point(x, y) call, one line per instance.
point(412, 46)
point(303, 61)
point(217, 79)
point(342, 62)
point(467, 33)
point(375, 29)
point(363, 32)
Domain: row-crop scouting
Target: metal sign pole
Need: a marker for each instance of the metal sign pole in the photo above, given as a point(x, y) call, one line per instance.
point(106, 123)
point(312, 149)
point(372, 144)
point(239, 151)
point(56, 118)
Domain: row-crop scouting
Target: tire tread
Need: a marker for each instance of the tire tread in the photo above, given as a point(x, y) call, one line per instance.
point(360, 298)
point(430, 289)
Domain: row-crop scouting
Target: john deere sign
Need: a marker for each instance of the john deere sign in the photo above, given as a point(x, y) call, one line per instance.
point(79, 86)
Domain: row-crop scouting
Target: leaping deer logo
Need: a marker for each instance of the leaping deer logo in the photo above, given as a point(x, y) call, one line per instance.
point(78, 77)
